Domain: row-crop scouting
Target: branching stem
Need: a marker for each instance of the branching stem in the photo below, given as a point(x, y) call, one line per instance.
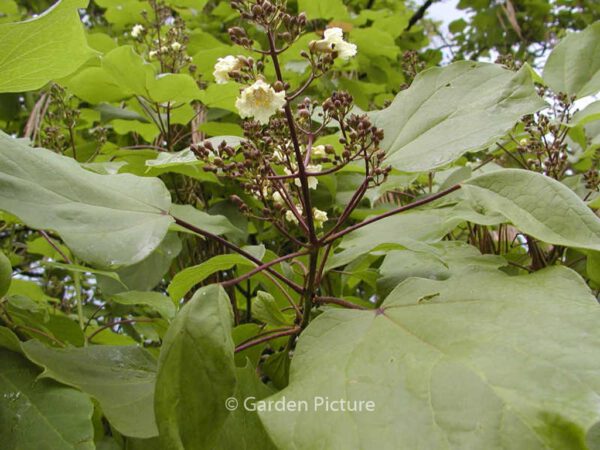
point(238, 250)
point(308, 213)
point(391, 212)
point(274, 334)
point(262, 267)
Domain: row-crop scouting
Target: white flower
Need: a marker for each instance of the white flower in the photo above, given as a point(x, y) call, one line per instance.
point(163, 49)
point(333, 41)
point(137, 30)
point(291, 217)
point(312, 181)
point(319, 217)
point(225, 65)
point(152, 54)
point(277, 198)
point(318, 151)
point(260, 193)
point(175, 46)
point(260, 101)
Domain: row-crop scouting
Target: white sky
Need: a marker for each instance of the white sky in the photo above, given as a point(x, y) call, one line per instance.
point(445, 11)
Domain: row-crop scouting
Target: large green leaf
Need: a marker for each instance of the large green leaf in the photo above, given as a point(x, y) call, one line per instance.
point(155, 300)
point(124, 73)
point(32, 314)
point(93, 85)
point(146, 274)
point(537, 205)
point(215, 224)
point(107, 220)
point(573, 66)
point(221, 96)
point(173, 87)
point(139, 78)
point(243, 429)
point(589, 114)
point(45, 48)
point(317, 9)
point(266, 309)
point(186, 279)
point(453, 110)
point(121, 378)
point(5, 274)
point(451, 258)
point(484, 360)
point(9, 340)
point(196, 372)
point(41, 414)
point(413, 229)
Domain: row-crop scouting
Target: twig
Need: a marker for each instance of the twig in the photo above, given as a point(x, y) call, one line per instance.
point(142, 146)
point(512, 156)
point(418, 15)
point(339, 302)
point(308, 292)
point(236, 249)
point(115, 323)
point(55, 247)
point(294, 137)
point(41, 333)
point(520, 266)
point(392, 212)
point(261, 267)
point(271, 335)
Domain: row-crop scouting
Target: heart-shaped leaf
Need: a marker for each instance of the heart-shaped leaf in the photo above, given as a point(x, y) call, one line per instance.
point(120, 378)
point(41, 413)
point(107, 220)
point(483, 360)
point(48, 47)
point(450, 111)
point(537, 205)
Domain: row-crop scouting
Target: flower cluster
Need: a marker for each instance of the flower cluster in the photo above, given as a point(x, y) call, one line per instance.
point(319, 217)
point(259, 100)
point(162, 36)
point(280, 161)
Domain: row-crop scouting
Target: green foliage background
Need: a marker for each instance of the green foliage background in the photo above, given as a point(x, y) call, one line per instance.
point(471, 321)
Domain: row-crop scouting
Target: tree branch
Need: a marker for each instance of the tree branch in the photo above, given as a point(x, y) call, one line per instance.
point(418, 15)
point(236, 249)
point(55, 247)
point(117, 322)
point(392, 212)
point(339, 302)
point(262, 267)
point(294, 137)
point(308, 292)
point(267, 337)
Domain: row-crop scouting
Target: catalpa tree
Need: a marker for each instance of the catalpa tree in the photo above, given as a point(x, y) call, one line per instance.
point(266, 224)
